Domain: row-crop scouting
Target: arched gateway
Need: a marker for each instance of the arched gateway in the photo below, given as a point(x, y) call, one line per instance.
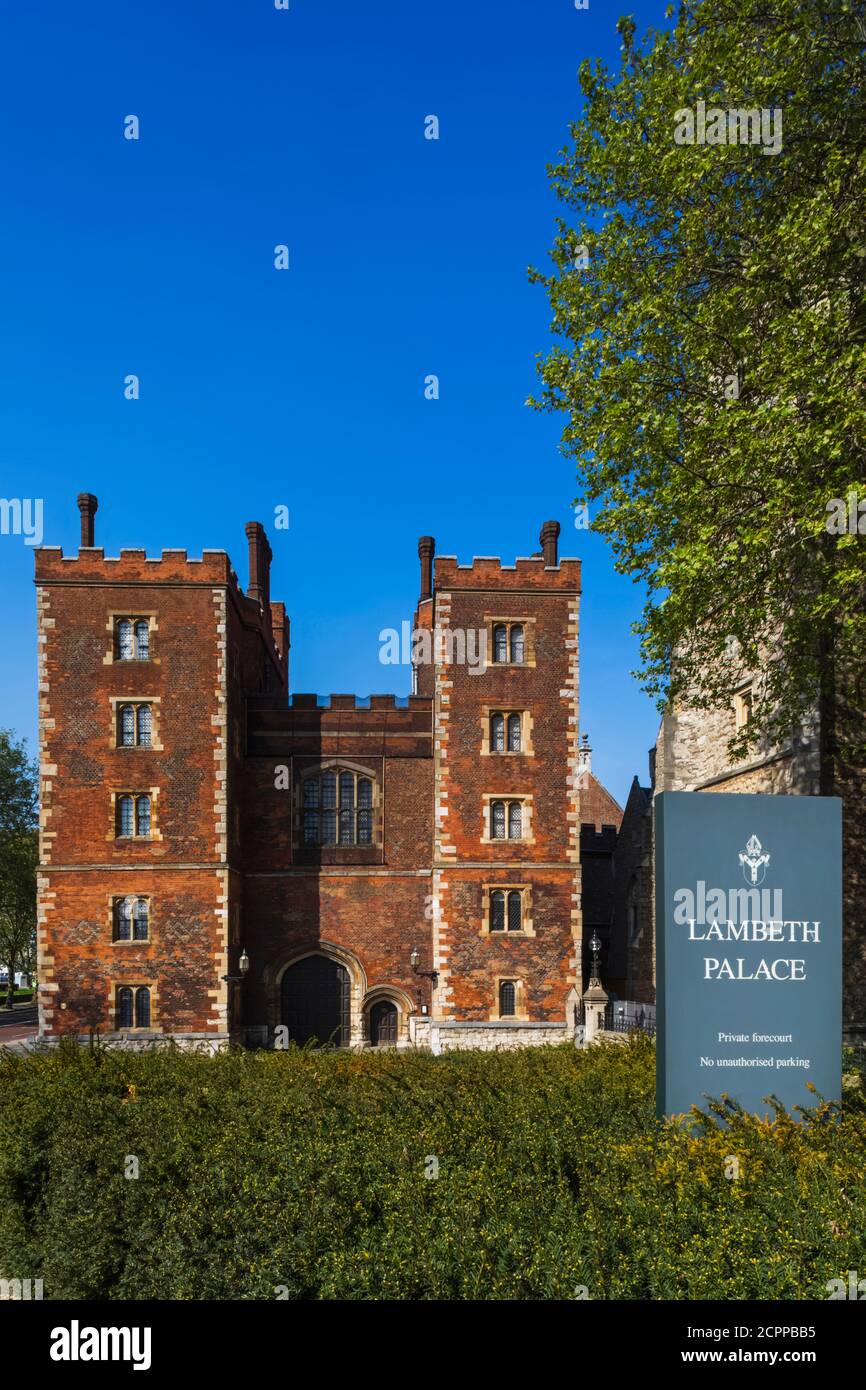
point(315, 1001)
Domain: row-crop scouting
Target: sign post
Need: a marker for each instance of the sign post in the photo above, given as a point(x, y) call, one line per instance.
point(749, 949)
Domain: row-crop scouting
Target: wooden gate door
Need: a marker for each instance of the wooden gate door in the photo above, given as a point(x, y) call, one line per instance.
point(315, 1002)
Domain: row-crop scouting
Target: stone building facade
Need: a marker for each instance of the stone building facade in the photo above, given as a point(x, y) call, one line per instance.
point(391, 871)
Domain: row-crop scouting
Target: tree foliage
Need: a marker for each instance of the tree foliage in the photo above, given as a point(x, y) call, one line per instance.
point(19, 857)
point(711, 344)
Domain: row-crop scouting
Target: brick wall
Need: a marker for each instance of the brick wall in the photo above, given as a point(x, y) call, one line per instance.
point(471, 961)
point(227, 869)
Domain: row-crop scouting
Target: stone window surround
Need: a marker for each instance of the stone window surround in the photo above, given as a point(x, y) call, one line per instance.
point(113, 899)
point(521, 1013)
point(511, 620)
point(742, 704)
point(525, 799)
point(155, 832)
point(115, 615)
point(527, 927)
point(154, 701)
point(138, 982)
point(338, 765)
point(526, 728)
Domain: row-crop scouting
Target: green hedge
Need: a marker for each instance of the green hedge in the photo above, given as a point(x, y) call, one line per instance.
point(305, 1172)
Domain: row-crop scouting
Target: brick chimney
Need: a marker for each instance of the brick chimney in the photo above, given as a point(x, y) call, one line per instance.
point(426, 551)
point(87, 505)
point(549, 537)
point(260, 566)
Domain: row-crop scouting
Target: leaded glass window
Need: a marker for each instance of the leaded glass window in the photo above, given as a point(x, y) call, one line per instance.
point(131, 919)
point(497, 733)
point(125, 815)
point(125, 644)
point(337, 808)
point(500, 642)
point(124, 1007)
point(140, 920)
point(515, 820)
point(497, 820)
point(514, 911)
point(507, 999)
point(497, 910)
point(132, 639)
point(514, 733)
point(517, 645)
point(127, 726)
point(145, 724)
point(365, 811)
point(142, 1007)
point(142, 815)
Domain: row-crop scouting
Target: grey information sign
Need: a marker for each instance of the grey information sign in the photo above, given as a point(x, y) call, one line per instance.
point(749, 949)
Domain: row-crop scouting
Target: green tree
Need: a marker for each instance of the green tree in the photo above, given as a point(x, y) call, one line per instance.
point(709, 304)
point(19, 857)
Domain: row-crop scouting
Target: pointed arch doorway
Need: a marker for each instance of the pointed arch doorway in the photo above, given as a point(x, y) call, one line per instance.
point(315, 1002)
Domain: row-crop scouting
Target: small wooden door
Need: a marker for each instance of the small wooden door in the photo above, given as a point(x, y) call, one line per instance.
point(383, 1023)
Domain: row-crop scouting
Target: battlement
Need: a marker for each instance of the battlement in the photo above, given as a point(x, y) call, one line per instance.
point(91, 564)
point(325, 703)
point(489, 572)
point(359, 702)
point(330, 724)
point(601, 840)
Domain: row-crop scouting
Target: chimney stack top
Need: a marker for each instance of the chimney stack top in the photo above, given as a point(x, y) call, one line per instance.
point(426, 551)
point(87, 505)
point(549, 537)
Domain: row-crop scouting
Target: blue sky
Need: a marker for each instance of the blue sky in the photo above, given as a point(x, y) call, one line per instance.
point(302, 388)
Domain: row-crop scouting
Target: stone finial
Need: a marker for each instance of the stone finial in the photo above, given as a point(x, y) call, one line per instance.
point(584, 756)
